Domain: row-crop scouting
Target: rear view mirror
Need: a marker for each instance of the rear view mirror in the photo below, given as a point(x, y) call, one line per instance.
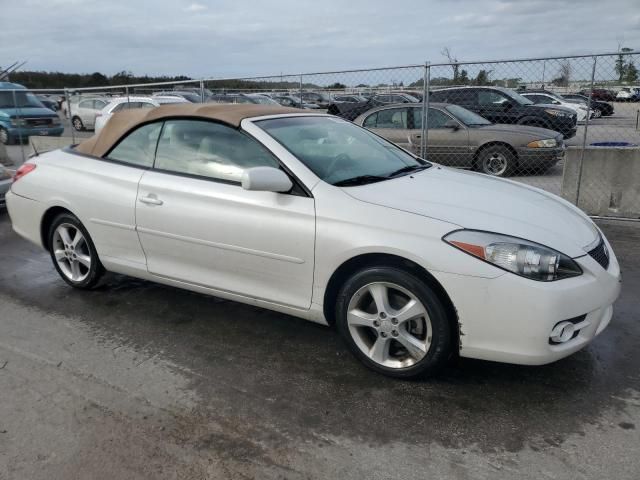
point(452, 124)
point(266, 179)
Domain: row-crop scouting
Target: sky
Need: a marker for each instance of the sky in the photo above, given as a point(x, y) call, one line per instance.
point(230, 38)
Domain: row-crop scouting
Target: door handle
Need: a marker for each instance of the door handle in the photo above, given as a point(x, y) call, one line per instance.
point(151, 200)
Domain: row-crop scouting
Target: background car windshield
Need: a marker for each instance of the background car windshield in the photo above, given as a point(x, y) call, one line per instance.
point(337, 150)
point(517, 97)
point(467, 116)
point(263, 100)
point(23, 100)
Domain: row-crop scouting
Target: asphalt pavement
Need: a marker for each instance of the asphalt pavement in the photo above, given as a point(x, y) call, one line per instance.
point(138, 380)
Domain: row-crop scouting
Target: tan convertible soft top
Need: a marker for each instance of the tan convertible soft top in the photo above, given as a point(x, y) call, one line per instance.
point(124, 121)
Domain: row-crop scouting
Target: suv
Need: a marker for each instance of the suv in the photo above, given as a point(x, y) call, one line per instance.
point(501, 105)
point(26, 116)
point(599, 94)
point(629, 94)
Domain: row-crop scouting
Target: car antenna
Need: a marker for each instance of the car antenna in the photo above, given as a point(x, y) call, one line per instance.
point(34, 149)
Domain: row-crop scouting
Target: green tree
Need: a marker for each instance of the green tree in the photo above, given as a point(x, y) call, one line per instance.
point(621, 65)
point(482, 78)
point(631, 74)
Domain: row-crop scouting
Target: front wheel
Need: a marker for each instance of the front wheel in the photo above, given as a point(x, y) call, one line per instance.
point(394, 323)
point(4, 136)
point(496, 160)
point(73, 253)
point(77, 124)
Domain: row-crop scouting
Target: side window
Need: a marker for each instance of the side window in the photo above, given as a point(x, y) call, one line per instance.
point(437, 118)
point(98, 104)
point(491, 98)
point(145, 105)
point(392, 118)
point(459, 97)
point(370, 121)
point(119, 107)
point(210, 150)
point(86, 104)
point(139, 146)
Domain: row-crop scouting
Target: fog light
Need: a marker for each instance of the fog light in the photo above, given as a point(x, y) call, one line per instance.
point(562, 332)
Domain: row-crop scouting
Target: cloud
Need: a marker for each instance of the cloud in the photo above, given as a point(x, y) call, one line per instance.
point(195, 7)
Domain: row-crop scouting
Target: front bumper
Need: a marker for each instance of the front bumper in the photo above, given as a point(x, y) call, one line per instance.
point(16, 132)
point(539, 157)
point(510, 318)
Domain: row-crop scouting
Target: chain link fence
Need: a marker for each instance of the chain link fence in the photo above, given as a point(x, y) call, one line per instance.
point(567, 125)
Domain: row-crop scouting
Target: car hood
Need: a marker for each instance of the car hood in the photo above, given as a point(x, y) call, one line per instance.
point(29, 112)
point(476, 201)
point(545, 106)
point(537, 132)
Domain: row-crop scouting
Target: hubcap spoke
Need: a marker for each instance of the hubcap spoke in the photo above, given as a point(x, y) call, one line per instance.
point(77, 240)
point(84, 260)
point(415, 347)
point(380, 350)
point(380, 294)
point(65, 235)
point(411, 310)
point(358, 318)
point(60, 254)
point(75, 270)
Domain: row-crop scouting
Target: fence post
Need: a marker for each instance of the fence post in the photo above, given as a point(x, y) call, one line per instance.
point(68, 102)
point(301, 101)
point(202, 91)
point(586, 130)
point(425, 110)
point(20, 120)
point(126, 89)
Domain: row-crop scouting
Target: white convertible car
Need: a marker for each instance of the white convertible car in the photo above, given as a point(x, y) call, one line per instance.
point(313, 216)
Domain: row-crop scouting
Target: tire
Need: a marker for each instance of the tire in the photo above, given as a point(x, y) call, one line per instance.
point(4, 136)
point(497, 161)
point(77, 124)
point(377, 336)
point(69, 250)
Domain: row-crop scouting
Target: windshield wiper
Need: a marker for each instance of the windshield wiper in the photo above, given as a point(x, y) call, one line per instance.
point(407, 169)
point(360, 180)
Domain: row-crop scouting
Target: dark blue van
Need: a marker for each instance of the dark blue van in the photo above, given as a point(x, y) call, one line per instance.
point(26, 116)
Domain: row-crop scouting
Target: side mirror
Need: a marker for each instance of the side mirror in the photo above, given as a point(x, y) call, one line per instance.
point(452, 124)
point(266, 179)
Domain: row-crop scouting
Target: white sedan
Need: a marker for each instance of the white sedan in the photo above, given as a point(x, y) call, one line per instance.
point(313, 216)
point(118, 104)
point(548, 99)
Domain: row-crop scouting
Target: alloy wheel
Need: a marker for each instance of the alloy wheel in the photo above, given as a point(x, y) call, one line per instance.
point(389, 324)
point(71, 252)
point(77, 124)
point(4, 136)
point(495, 164)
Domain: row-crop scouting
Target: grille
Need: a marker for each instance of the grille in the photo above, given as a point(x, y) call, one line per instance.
point(600, 254)
point(38, 122)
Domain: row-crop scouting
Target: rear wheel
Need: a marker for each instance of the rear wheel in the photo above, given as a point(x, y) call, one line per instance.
point(496, 160)
point(77, 124)
point(394, 323)
point(73, 253)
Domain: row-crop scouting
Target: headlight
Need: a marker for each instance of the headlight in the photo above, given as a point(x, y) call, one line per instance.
point(557, 113)
point(522, 257)
point(4, 173)
point(546, 143)
point(18, 122)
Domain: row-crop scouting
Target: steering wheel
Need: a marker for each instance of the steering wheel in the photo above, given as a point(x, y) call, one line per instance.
point(334, 166)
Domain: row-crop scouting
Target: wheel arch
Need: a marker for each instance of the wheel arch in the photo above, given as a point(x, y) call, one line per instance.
point(46, 221)
point(354, 264)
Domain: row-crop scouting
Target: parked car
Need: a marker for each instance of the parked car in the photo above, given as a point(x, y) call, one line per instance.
point(119, 104)
point(316, 217)
point(547, 98)
point(351, 110)
point(23, 115)
point(321, 99)
point(629, 94)
point(501, 105)
point(48, 102)
point(294, 101)
point(5, 183)
point(600, 94)
point(84, 112)
point(351, 98)
point(460, 138)
point(605, 109)
point(188, 96)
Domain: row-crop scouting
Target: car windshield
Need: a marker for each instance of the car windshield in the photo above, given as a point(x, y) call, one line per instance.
point(263, 100)
point(22, 100)
point(516, 97)
point(466, 116)
point(339, 152)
